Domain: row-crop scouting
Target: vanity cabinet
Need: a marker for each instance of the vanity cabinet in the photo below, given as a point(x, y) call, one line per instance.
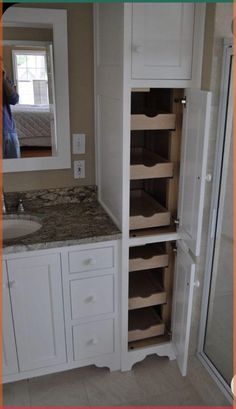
point(60, 310)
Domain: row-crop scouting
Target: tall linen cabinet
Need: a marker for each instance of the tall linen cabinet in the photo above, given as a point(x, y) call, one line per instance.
point(152, 128)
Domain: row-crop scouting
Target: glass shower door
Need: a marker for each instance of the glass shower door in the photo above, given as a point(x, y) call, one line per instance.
point(216, 329)
point(218, 345)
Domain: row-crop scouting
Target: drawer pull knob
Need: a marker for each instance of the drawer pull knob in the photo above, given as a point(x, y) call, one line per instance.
point(93, 341)
point(12, 284)
point(91, 261)
point(90, 299)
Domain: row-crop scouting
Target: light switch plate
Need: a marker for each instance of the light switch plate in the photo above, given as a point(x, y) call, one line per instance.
point(78, 143)
point(79, 169)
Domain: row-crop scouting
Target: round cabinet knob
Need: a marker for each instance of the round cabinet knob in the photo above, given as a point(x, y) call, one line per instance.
point(93, 341)
point(91, 261)
point(12, 284)
point(91, 299)
point(138, 49)
point(209, 177)
point(197, 283)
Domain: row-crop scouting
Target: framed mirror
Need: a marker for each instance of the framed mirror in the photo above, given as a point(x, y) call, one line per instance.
point(35, 60)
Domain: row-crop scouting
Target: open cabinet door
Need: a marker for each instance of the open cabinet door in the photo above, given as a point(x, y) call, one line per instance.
point(182, 306)
point(195, 136)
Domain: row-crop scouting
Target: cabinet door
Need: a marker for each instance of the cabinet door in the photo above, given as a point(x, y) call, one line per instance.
point(36, 294)
point(9, 356)
point(162, 40)
point(182, 306)
point(195, 136)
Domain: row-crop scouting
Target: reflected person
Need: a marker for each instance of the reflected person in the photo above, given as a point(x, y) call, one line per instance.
point(11, 146)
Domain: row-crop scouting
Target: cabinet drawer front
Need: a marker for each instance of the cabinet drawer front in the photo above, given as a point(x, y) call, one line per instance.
point(94, 259)
point(93, 339)
point(91, 296)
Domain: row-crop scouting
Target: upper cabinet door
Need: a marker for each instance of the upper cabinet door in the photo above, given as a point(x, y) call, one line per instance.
point(194, 147)
point(37, 304)
point(162, 40)
point(182, 306)
point(9, 356)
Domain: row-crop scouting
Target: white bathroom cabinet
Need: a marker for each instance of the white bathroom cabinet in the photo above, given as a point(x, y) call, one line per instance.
point(163, 40)
point(152, 130)
point(60, 310)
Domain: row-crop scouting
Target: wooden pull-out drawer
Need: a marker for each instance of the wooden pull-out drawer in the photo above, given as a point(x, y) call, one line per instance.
point(146, 212)
point(94, 259)
point(147, 257)
point(145, 289)
point(147, 165)
point(93, 339)
point(144, 323)
point(160, 121)
point(91, 296)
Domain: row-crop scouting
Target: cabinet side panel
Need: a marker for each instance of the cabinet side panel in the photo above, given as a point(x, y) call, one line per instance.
point(108, 19)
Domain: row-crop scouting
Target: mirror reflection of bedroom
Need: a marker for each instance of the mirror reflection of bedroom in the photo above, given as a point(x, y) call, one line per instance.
point(28, 63)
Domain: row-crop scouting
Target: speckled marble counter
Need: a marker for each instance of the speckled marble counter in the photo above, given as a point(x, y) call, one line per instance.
point(68, 216)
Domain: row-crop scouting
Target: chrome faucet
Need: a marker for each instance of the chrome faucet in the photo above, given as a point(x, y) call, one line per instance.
point(20, 208)
point(4, 209)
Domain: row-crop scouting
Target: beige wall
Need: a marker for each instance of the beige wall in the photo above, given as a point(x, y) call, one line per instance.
point(80, 49)
point(27, 34)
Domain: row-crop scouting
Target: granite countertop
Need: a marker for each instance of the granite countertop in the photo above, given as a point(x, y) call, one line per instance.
point(70, 222)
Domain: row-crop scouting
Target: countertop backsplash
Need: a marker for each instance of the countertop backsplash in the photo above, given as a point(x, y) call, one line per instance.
point(50, 197)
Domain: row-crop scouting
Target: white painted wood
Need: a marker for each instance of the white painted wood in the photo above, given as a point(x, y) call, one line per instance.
point(182, 306)
point(9, 355)
point(109, 359)
point(92, 259)
point(57, 20)
point(194, 149)
point(91, 296)
point(132, 357)
point(93, 339)
point(162, 40)
point(108, 29)
point(36, 294)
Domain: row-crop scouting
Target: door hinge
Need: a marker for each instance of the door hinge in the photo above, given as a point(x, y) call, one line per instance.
point(182, 101)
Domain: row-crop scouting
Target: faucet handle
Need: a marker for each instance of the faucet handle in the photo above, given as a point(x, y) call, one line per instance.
point(20, 207)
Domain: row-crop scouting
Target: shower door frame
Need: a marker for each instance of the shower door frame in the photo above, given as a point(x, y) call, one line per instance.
point(225, 114)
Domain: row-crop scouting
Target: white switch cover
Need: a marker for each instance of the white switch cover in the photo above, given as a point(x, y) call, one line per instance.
point(78, 143)
point(79, 169)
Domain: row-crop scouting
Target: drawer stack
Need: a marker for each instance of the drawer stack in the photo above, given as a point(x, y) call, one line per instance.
point(149, 291)
point(92, 294)
point(151, 159)
point(156, 117)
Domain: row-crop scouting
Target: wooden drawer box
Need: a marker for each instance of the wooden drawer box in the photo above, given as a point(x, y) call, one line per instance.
point(160, 121)
point(145, 290)
point(91, 296)
point(147, 165)
point(92, 259)
point(146, 212)
point(144, 323)
point(147, 257)
point(93, 339)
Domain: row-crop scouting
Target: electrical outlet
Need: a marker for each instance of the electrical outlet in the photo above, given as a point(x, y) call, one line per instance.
point(79, 169)
point(78, 143)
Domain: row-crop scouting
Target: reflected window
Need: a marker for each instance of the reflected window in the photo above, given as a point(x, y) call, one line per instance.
point(30, 73)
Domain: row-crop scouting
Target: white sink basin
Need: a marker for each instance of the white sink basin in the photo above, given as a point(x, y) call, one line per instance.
point(14, 228)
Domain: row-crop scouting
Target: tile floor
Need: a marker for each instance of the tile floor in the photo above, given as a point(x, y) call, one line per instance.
point(154, 382)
